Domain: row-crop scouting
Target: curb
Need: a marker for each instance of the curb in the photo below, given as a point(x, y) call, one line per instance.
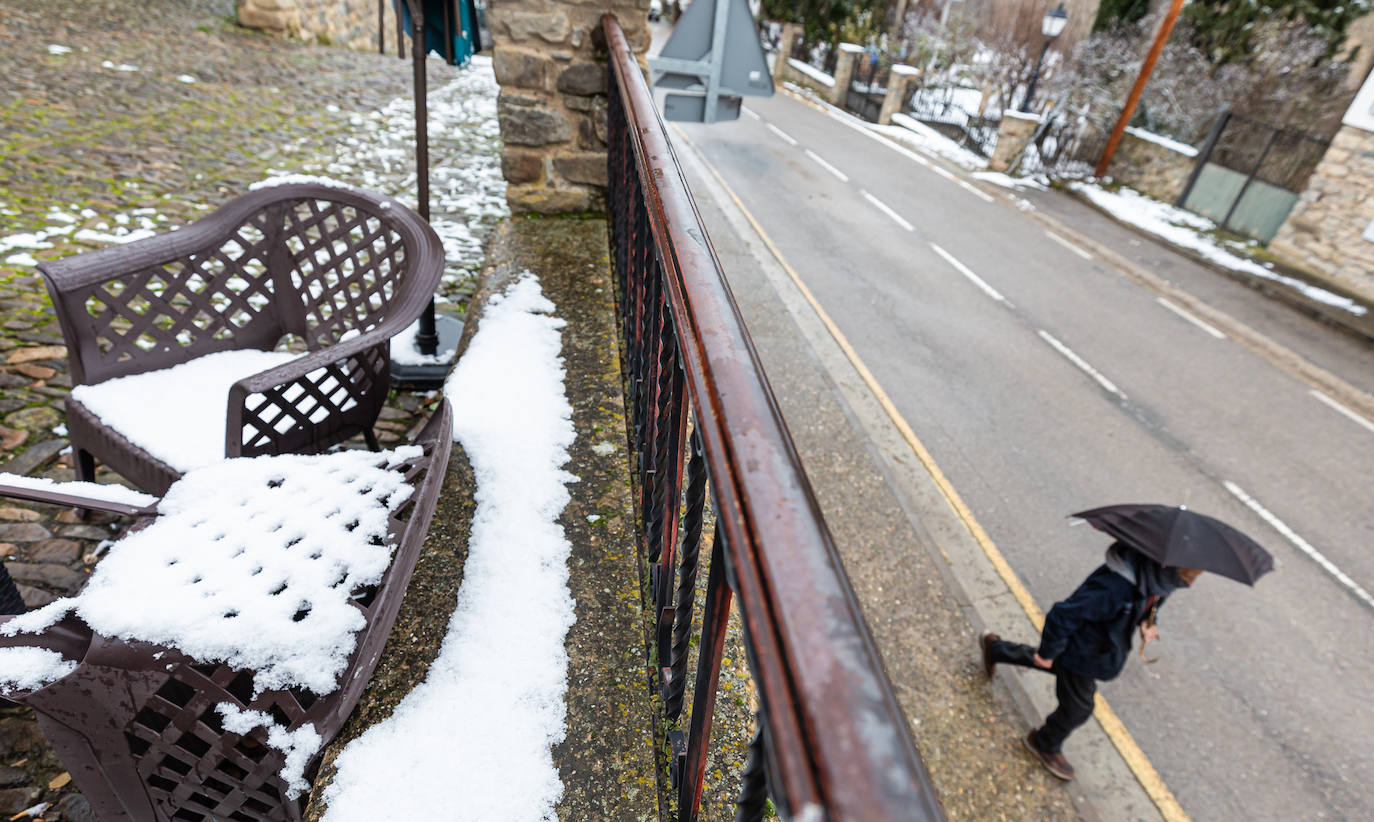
point(1360, 328)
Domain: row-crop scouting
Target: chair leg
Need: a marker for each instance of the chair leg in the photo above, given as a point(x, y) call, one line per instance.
point(84, 463)
point(370, 437)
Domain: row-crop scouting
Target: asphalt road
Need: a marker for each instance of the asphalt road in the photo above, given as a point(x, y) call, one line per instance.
point(1045, 382)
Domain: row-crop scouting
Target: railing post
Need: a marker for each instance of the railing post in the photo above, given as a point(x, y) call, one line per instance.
point(1203, 156)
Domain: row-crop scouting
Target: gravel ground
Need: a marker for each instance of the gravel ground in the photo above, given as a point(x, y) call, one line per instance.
point(120, 118)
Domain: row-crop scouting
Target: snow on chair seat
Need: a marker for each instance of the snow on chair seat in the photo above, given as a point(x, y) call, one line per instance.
point(216, 649)
point(341, 269)
point(178, 429)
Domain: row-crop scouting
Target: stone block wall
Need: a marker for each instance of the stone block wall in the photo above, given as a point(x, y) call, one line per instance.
point(1013, 135)
point(550, 60)
point(1325, 234)
point(1151, 167)
point(349, 23)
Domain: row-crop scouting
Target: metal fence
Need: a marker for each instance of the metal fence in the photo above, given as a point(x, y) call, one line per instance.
point(939, 109)
point(832, 742)
point(1249, 174)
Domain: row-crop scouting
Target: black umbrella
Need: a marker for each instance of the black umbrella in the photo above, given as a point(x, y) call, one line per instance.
point(1177, 537)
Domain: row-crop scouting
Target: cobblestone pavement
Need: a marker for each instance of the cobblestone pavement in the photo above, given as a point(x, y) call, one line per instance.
point(119, 119)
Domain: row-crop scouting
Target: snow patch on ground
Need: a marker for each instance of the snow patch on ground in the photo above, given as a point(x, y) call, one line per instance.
point(405, 351)
point(1183, 228)
point(474, 739)
point(913, 132)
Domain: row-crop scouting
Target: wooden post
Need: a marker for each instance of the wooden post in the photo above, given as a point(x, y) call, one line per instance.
point(1139, 88)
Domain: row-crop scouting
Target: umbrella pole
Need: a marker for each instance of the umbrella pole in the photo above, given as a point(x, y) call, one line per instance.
point(427, 340)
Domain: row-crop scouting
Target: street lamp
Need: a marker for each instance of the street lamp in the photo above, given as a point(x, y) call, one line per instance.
point(1051, 25)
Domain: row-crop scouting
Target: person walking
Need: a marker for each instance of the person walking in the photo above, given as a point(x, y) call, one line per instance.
point(1086, 639)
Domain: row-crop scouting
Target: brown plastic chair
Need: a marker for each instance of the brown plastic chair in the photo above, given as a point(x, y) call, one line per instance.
point(135, 723)
point(342, 269)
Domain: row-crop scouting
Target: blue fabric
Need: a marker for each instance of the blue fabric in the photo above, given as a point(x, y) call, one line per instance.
point(465, 36)
point(1091, 632)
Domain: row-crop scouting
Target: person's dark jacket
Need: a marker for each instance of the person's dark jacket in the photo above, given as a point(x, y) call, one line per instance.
point(1090, 633)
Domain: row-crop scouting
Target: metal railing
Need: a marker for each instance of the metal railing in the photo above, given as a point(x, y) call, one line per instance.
point(832, 742)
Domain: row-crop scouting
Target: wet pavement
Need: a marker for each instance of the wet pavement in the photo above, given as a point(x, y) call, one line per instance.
point(119, 119)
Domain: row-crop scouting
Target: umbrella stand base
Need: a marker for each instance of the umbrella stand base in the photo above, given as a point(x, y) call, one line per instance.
point(428, 376)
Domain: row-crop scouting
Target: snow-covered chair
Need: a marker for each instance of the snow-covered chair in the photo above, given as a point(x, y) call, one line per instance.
point(218, 647)
point(171, 338)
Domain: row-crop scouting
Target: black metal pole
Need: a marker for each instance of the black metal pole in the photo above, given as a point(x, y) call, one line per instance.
point(381, 26)
point(427, 338)
point(1205, 154)
point(1035, 76)
point(1273, 135)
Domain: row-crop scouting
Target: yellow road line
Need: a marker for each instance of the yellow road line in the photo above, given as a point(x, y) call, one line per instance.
point(1135, 758)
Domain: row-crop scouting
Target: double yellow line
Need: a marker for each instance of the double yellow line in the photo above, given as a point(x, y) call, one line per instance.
point(1116, 731)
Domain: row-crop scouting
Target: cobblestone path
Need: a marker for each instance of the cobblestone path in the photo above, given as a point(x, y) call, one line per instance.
point(121, 118)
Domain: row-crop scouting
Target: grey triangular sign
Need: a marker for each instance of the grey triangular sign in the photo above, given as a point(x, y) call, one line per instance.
point(744, 71)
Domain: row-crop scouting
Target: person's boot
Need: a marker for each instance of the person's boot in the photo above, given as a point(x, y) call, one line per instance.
point(1055, 763)
point(985, 645)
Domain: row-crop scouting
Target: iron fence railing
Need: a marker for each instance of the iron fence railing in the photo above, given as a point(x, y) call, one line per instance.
point(831, 742)
point(941, 110)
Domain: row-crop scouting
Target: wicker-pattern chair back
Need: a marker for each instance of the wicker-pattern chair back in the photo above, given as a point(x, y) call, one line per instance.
point(136, 724)
point(341, 269)
point(345, 265)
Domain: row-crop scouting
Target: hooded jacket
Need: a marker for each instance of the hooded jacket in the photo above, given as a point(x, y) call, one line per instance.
point(1091, 632)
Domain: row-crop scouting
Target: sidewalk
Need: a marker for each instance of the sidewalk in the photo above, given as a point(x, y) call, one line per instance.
point(122, 119)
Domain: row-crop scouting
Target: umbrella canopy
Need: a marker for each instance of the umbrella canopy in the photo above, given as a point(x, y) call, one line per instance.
point(1183, 539)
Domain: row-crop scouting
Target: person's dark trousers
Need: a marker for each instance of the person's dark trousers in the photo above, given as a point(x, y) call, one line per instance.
point(1075, 692)
point(10, 600)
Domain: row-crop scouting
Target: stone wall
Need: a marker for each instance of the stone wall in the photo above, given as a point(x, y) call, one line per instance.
point(1152, 167)
point(1330, 232)
point(350, 23)
point(1013, 135)
point(549, 58)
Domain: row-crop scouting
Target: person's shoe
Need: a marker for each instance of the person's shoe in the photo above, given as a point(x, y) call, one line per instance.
point(1055, 763)
point(985, 645)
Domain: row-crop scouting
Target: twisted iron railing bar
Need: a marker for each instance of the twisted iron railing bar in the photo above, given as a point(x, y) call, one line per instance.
point(835, 743)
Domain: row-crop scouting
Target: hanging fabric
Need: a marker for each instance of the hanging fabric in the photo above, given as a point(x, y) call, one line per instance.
point(450, 28)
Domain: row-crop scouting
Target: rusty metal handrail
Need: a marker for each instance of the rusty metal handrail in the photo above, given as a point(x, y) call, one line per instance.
point(833, 741)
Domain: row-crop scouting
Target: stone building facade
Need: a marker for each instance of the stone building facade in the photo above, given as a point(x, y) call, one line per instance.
point(549, 58)
point(1330, 232)
point(349, 23)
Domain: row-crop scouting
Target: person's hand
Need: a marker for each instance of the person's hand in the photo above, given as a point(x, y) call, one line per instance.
point(1042, 662)
point(1149, 633)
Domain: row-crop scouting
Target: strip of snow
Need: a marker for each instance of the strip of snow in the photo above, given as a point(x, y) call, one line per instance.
point(1159, 139)
point(252, 563)
point(1181, 228)
point(811, 71)
point(24, 669)
point(997, 178)
point(26, 260)
point(54, 48)
point(118, 236)
point(297, 179)
point(89, 490)
point(406, 351)
point(473, 741)
point(298, 745)
point(913, 132)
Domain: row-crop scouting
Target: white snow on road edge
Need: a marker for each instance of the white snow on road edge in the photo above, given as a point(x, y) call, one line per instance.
point(1183, 228)
point(474, 740)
